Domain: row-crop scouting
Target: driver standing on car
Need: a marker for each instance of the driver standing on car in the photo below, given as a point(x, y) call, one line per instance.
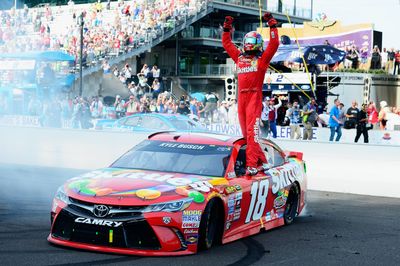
point(252, 63)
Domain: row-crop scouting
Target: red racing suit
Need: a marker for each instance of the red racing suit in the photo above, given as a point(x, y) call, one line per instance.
point(251, 71)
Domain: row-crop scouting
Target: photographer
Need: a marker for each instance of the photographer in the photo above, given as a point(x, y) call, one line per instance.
point(294, 115)
point(362, 120)
point(119, 107)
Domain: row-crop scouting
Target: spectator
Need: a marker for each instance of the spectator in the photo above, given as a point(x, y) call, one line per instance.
point(309, 118)
point(347, 61)
point(156, 88)
point(376, 58)
point(372, 114)
point(211, 106)
point(264, 125)
point(342, 114)
point(294, 115)
point(383, 114)
point(96, 107)
point(351, 115)
point(76, 113)
point(85, 114)
point(396, 63)
point(390, 62)
point(193, 108)
point(362, 119)
point(106, 67)
point(119, 107)
point(334, 122)
point(182, 108)
point(131, 106)
point(273, 114)
point(145, 71)
point(384, 58)
point(128, 74)
point(364, 57)
point(223, 112)
point(353, 57)
point(233, 118)
point(156, 72)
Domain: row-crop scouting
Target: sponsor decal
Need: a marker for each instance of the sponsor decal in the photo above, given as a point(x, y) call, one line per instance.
point(191, 239)
point(142, 184)
point(231, 202)
point(231, 175)
point(83, 220)
point(279, 202)
point(236, 214)
point(234, 206)
point(191, 218)
point(191, 231)
point(202, 186)
point(232, 189)
point(279, 213)
point(182, 146)
point(284, 176)
point(256, 129)
point(268, 216)
point(258, 202)
point(166, 219)
point(247, 69)
point(228, 225)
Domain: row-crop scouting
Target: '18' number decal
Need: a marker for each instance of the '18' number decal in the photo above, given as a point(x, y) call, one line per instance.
point(259, 193)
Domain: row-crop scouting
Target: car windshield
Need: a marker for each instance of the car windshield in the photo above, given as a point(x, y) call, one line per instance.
point(186, 125)
point(176, 157)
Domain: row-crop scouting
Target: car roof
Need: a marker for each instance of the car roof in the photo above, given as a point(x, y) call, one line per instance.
point(195, 137)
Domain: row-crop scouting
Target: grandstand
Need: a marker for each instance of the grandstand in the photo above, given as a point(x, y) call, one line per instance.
point(182, 37)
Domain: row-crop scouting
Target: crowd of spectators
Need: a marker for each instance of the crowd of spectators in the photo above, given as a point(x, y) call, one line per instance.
point(387, 60)
point(108, 29)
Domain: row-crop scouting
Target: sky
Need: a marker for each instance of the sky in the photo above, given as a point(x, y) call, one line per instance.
point(383, 13)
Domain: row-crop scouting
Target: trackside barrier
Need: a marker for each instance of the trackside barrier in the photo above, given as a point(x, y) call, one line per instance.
point(337, 167)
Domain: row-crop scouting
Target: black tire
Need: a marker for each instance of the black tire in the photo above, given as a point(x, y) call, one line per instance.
point(208, 226)
point(292, 204)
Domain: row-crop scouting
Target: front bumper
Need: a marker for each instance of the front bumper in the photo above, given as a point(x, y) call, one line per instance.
point(124, 251)
point(137, 235)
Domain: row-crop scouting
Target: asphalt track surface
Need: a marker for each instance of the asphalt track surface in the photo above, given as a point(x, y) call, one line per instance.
point(337, 229)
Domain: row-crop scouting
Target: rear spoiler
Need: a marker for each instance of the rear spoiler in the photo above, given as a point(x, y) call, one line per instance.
point(294, 154)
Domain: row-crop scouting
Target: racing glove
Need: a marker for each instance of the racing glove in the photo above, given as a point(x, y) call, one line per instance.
point(270, 20)
point(228, 23)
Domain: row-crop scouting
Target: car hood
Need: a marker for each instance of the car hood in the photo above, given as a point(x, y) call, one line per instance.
point(125, 187)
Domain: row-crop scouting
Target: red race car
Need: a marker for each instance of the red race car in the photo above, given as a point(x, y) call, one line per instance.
point(176, 193)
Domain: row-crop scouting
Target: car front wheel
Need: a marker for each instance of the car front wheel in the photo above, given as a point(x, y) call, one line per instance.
point(208, 226)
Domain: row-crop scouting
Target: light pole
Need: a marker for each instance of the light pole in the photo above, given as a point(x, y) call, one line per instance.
point(81, 23)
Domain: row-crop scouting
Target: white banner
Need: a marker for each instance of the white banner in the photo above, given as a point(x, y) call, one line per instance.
point(319, 134)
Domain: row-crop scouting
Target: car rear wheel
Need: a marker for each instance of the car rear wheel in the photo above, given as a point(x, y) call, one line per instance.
point(292, 204)
point(209, 226)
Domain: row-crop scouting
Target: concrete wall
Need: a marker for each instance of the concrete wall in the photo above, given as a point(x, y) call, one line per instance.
point(359, 169)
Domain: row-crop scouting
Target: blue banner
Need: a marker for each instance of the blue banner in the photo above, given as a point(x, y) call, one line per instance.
point(313, 54)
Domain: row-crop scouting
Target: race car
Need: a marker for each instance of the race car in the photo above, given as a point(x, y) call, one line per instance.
point(176, 193)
